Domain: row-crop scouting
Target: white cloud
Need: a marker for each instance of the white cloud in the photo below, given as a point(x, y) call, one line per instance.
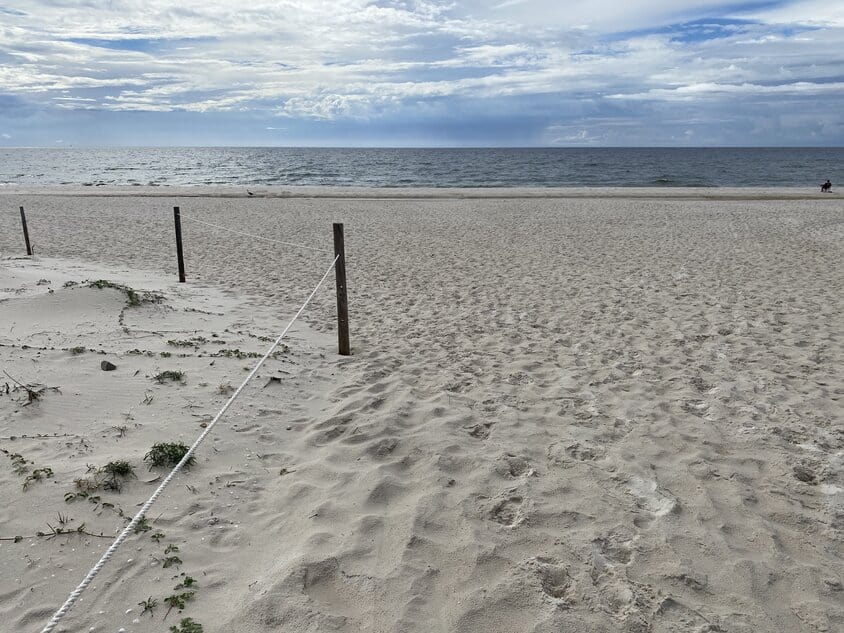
point(360, 59)
point(599, 16)
point(696, 92)
point(813, 12)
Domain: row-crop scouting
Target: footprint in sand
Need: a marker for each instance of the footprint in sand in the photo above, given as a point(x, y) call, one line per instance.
point(508, 512)
point(631, 602)
point(513, 467)
point(673, 616)
point(565, 454)
point(554, 579)
point(519, 378)
point(651, 498)
point(584, 452)
point(383, 448)
point(480, 431)
point(699, 408)
point(610, 551)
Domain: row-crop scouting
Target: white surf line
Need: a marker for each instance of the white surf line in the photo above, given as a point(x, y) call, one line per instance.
point(254, 237)
point(74, 595)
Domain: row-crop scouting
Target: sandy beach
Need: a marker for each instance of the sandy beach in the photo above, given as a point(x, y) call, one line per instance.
point(566, 410)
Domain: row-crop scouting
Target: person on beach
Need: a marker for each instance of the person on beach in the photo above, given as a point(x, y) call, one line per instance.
point(826, 187)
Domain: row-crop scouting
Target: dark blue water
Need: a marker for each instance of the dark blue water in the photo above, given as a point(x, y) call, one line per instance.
point(625, 167)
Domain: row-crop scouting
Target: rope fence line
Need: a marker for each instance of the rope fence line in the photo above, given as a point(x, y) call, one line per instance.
point(254, 237)
point(76, 593)
point(17, 217)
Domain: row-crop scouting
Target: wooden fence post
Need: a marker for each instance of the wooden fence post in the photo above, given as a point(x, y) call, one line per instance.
point(342, 298)
point(178, 219)
point(26, 233)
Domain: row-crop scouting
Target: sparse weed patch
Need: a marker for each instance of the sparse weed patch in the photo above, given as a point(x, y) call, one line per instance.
point(187, 625)
point(53, 532)
point(19, 464)
point(133, 297)
point(112, 476)
point(187, 583)
point(194, 341)
point(148, 605)
point(167, 454)
point(137, 352)
point(142, 526)
point(21, 467)
point(178, 601)
point(171, 375)
point(34, 391)
point(39, 474)
point(120, 468)
point(236, 353)
point(171, 561)
point(95, 500)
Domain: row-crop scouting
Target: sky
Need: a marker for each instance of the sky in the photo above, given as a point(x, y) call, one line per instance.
point(394, 73)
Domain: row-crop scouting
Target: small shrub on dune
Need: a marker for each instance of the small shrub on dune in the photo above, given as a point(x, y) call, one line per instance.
point(167, 454)
point(173, 376)
point(133, 297)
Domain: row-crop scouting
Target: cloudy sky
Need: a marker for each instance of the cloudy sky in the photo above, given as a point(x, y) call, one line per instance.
point(421, 72)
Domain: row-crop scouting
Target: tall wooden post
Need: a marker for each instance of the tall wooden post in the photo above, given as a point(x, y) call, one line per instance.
point(178, 219)
point(26, 233)
point(342, 298)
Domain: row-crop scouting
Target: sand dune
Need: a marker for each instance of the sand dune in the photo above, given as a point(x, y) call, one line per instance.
point(562, 414)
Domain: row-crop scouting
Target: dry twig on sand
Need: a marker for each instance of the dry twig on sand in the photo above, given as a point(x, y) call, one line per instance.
point(33, 391)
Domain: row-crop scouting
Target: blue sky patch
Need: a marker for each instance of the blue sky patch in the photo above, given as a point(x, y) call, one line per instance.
point(142, 45)
point(694, 31)
point(139, 45)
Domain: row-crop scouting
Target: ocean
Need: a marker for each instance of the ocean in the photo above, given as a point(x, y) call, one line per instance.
point(529, 167)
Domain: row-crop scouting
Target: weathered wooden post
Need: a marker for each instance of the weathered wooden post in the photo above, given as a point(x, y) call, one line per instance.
point(178, 219)
point(26, 233)
point(342, 298)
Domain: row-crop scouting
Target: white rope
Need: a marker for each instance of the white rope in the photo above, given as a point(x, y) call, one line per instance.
point(74, 595)
point(254, 237)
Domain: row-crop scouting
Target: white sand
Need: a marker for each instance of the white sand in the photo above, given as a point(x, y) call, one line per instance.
point(567, 413)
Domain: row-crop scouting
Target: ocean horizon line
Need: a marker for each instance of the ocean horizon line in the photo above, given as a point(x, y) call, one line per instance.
point(426, 147)
point(422, 167)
